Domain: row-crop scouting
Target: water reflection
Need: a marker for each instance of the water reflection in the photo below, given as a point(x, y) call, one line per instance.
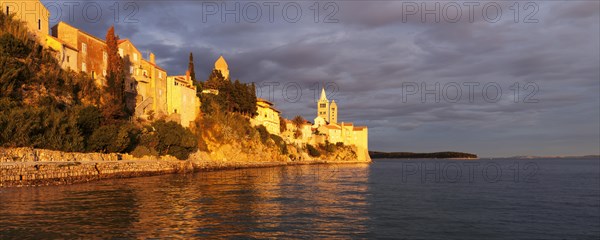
point(301, 201)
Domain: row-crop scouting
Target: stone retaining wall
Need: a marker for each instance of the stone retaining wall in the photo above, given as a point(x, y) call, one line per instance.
point(37, 167)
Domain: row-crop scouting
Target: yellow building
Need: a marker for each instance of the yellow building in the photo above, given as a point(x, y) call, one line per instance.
point(306, 132)
point(327, 125)
point(66, 54)
point(157, 86)
point(91, 51)
point(333, 112)
point(222, 66)
point(33, 13)
point(182, 103)
point(267, 116)
point(147, 82)
point(323, 107)
point(326, 111)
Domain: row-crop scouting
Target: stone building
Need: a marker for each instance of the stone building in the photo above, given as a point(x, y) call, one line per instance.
point(182, 103)
point(267, 115)
point(326, 124)
point(92, 57)
point(149, 92)
point(326, 111)
point(33, 13)
point(154, 79)
point(222, 66)
point(66, 54)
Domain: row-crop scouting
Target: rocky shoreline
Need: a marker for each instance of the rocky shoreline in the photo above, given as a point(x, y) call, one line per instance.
point(21, 167)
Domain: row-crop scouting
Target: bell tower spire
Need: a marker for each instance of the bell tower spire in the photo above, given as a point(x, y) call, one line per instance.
point(323, 106)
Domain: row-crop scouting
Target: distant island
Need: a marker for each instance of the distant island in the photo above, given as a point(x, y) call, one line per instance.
point(375, 155)
point(555, 157)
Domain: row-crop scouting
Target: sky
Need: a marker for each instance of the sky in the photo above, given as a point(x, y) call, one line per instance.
point(495, 78)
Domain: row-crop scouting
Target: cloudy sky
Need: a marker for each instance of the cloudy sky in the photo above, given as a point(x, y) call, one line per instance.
point(497, 78)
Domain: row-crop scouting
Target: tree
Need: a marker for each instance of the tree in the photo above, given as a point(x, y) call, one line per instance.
point(191, 67)
point(114, 103)
point(174, 140)
point(233, 96)
point(298, 122)
point(282, 125)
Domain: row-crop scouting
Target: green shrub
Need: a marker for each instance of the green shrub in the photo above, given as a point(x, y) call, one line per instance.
point(88, 120)
point(117, 138)
point(13, 47)
point(280, 143)
point(12, 76)
point(312, 151)
point(263, 133)
point(142, 151)
point(328, 147)
point(174, 140)
point(40, 127)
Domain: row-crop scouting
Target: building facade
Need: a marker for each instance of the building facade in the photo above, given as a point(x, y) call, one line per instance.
point(92, 57)
point(148, 90)
point(222, 66)
point(182, 103)
point(35, 15)
point(267, 115)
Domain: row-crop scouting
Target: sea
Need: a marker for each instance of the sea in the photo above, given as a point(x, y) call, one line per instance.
point(387, 199)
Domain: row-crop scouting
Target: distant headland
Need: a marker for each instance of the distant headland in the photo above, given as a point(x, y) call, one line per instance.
point(376, 155)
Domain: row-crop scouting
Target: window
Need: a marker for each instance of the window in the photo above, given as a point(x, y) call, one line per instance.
point(68, 58)
point(83, 67)
point(104, 72)
point(135, 57)
point(83, 48)
point(39, 24)
point(93, 75)
point(323, 105)
point(160, 75)
point(333, 109)
point(121, 52)
point(105, 57)
point(7, 10)
point(131, 70)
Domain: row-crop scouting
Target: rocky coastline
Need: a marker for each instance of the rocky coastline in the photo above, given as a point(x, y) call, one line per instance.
point(21, 167)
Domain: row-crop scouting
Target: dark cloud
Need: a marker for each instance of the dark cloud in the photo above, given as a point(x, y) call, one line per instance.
point(373, 52)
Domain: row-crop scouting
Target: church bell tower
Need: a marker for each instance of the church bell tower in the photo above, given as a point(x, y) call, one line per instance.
point(323, 106)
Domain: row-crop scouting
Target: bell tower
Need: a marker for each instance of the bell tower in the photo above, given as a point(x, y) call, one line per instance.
point(323, 106)
point(333, 112)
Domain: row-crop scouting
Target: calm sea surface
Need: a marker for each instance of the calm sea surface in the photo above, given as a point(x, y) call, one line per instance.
point(414, 199)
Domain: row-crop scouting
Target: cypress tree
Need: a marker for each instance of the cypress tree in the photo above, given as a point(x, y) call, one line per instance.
point(114, 104)
point(191, 67)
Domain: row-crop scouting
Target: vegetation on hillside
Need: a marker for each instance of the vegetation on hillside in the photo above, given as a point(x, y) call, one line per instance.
point(234, 97)
point(44, 106)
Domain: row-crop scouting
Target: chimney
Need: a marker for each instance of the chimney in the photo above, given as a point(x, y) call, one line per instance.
point(152, 58)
